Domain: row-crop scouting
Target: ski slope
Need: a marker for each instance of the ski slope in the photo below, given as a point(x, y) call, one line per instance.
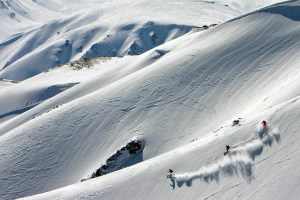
point(180, 98)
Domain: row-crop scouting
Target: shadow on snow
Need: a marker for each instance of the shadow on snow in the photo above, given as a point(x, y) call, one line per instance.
point(239, 161)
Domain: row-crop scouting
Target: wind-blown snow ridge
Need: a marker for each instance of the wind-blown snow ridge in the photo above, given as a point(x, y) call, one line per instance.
point(238, 162)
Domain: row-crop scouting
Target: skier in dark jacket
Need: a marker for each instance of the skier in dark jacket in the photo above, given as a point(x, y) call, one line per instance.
point(171, 177)
point(227, 150)
point(264, 124)
point(170, 171)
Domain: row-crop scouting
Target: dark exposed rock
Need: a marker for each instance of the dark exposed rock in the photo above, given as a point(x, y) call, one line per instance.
point(117, 160)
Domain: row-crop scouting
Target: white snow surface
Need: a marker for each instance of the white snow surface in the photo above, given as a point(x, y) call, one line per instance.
point(179, 97)
point(49, 33)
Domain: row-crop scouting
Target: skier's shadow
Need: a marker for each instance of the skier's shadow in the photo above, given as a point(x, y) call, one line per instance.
point(172, 184)
point(253, 149)
point(268, 138)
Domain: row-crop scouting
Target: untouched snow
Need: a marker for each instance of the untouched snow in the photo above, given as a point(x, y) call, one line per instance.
point(32, 92)
point(22, 15)
point(6, 83)
point(180, 98)
point(99, 28)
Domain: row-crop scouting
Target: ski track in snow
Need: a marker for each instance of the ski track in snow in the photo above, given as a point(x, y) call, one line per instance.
point(238, 162)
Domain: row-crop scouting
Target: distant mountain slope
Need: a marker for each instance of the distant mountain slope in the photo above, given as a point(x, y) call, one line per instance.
point(48, 33)
point(180, 98)
point(23, 15)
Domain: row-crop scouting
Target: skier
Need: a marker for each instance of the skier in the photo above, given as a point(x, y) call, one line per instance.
point(264, 124)
point(170, 173)
point(264, 130)
point(171, 177)
point(227, 150)
point(236, 122)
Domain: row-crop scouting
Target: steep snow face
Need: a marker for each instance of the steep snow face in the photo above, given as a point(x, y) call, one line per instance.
point(61, 31)
point(180, 98)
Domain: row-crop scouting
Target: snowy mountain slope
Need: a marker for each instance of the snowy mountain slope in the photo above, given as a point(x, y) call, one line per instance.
point(275, 173)
point(110, 70)
point(32, 92)
point(102, 28)
point(22, 15)
point(62, 50)
point(6, 83)
point(244, 68)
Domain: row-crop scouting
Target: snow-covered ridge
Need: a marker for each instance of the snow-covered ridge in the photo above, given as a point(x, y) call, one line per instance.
point(100, 28)
point(86, 42)
point(34, 91)
point(4, 83)
point(18, 16)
